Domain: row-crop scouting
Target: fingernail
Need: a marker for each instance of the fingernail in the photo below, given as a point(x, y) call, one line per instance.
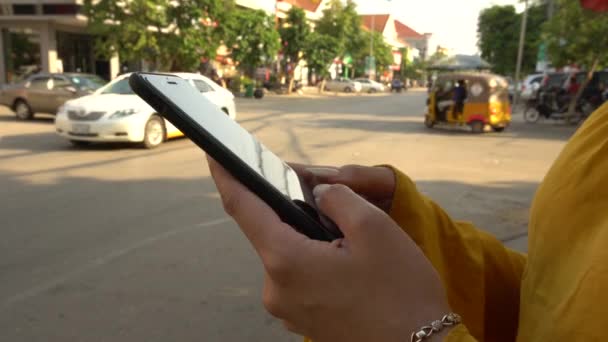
point(323, 171)
point(320, 189)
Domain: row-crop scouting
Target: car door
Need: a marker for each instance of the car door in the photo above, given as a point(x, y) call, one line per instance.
point(365, 84)
point(37, 92)
point(62, 90)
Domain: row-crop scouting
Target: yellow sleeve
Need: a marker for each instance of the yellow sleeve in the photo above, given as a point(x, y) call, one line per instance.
point(481, 276)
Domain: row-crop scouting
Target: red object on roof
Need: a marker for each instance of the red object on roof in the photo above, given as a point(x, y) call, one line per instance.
point(307, 5)
point(380, 21)
point(406, 31)
point(595, 5)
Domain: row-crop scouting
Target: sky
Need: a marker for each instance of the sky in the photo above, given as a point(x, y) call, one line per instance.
point(453, 23)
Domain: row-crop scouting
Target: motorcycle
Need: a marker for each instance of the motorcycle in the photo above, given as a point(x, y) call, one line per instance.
point(554, 105)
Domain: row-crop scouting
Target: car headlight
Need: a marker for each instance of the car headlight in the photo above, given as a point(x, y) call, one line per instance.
point(123, 113)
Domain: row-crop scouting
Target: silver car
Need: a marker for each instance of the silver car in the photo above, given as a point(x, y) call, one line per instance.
point(370, 86)
point(45, 93)
point(343, 84)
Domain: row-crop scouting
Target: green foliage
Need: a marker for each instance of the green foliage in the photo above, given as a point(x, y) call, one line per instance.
point(342, 22)
point(253, 39)
point(294, 35)
point(575, 35)
point(171, 35)
point(383, 53)
point(498, 37)
point(320, 51)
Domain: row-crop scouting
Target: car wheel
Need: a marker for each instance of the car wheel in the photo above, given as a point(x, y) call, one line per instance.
point(498, 129)
point(477, 126)
point(23, 111)
point(373, 91)
point(80, 143)
point(154, 132)
point(531, 115)
point(348, 90)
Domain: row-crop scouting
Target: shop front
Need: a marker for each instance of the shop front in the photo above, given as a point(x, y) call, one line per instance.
point(44, 38)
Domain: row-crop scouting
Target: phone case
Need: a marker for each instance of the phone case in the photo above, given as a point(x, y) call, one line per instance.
point(300, 215)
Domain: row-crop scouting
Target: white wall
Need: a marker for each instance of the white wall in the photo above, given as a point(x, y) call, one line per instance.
point(266, 5)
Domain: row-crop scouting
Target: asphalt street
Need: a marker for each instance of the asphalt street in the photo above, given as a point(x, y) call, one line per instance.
point(117, 243)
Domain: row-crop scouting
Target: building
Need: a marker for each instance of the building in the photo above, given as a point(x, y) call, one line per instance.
point(388, 26)
point(47, 36)
point(313, 8)
point(413, 38)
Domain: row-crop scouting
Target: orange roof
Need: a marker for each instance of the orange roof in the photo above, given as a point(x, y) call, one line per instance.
point(380, 21)
point(307, 5)
point(406, 31)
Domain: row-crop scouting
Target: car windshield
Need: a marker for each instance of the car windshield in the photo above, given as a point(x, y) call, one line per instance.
point(120, 87)
point(92, 82)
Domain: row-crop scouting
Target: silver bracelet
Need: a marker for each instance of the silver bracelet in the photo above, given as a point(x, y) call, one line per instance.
point(427, 331)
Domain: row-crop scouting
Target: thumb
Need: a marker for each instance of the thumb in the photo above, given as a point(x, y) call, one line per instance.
point(363, 224)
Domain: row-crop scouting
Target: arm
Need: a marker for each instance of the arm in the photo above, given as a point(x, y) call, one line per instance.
point(481, 276)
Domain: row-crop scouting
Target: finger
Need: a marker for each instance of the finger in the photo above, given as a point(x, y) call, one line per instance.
point(260, 224)
point(303, 171)
point(362, 223)
point(371, 182)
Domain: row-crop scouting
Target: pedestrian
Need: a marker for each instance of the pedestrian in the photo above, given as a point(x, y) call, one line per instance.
point(405, 269)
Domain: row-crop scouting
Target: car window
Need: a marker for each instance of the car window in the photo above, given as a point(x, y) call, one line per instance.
point(60, 82)
point(120, 87)
point(536, 80)
point(40, 83)
point(92, 82)
point(202, 86)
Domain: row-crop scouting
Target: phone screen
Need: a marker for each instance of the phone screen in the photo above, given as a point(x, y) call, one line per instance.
point(234, 137)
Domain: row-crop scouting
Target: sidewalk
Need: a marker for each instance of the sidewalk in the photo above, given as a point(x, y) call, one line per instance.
point(313, 92)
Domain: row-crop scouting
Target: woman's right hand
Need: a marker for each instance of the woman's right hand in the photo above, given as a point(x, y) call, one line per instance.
point(375, 184)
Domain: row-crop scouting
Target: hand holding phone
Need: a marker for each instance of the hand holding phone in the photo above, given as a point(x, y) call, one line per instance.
point(240, 153)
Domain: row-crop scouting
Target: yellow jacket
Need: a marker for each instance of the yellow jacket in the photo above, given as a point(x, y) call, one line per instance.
point(559, 292)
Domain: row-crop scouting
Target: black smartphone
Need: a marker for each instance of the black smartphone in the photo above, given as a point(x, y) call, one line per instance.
point(239, 152)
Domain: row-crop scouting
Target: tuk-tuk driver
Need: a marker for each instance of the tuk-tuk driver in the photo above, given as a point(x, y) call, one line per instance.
point(460, 95)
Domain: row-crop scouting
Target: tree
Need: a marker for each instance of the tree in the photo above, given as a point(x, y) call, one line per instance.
point(383, 53)
point(169, 34)
point(577, 36)
point(254, 39)
point(498, 32)
point(319, 52)
point(293, 37)
point(342, 22)
point(498, 37)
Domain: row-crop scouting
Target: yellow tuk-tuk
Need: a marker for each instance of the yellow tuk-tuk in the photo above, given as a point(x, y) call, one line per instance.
point(468, 98)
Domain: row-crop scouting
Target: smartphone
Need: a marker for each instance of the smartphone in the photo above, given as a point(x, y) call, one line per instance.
point(239, 152)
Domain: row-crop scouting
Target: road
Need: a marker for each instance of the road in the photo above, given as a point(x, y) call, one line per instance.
point(117, 243)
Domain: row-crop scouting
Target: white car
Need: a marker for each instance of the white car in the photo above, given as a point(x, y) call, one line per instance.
point(114, 113)
point(370, 86)
point(530, 85)
point(343, 84)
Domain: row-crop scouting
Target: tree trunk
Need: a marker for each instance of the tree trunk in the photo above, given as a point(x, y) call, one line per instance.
point(290, 86)
point(322, 86)
point(574, 100)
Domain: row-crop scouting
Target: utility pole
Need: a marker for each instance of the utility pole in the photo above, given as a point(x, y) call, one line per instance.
point(371, 47)
point(520, 53)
